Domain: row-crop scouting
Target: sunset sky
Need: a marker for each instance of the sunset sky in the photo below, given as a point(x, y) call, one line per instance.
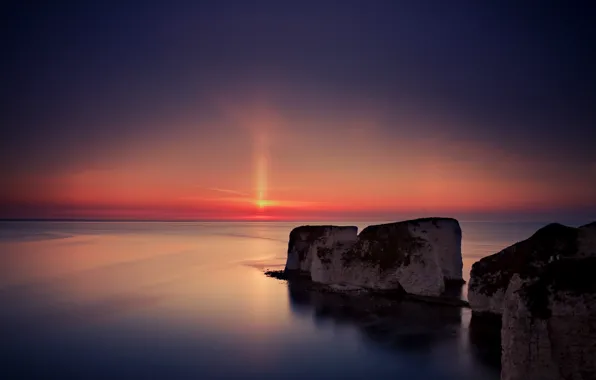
point(273, 110)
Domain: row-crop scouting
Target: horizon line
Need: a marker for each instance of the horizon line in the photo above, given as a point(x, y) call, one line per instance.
point(132, 220)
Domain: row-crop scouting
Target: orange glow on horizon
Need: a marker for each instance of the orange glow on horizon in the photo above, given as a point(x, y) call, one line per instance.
point(281, 169)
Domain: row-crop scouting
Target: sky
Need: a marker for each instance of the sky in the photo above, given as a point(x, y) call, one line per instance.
point(272, 110)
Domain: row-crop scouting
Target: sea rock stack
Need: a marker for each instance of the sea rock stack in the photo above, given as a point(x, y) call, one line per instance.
point(490, 277)
point(417, 256)
point(305, 240)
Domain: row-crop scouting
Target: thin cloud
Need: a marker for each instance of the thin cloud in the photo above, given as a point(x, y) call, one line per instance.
point(225, 191)
point(241, 199)
point(268, 203)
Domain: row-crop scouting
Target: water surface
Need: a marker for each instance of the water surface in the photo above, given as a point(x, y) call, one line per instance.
point(137, 300)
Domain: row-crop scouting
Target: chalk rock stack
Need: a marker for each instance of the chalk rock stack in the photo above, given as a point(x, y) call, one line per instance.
point(306, 240)
point(545, 289)
point(417, 256)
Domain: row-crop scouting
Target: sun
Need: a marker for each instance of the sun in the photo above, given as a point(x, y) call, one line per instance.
point(261, 203)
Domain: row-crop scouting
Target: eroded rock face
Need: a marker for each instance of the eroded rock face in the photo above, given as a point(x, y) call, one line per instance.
point(587, 240)
point(549, 322)
point(490, 276)
point(545, 289)
point(445, 236)
point(415, 255)
point(305, 240)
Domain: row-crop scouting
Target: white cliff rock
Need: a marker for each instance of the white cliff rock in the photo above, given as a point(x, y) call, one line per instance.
point(305, 240)
point(416, 256)
point(587, 240)
point(545, 289)
point(445, 236)
point(549, 323)
point(525, 343)
point(490, 276)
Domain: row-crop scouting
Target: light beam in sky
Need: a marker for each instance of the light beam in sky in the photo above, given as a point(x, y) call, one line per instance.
point(261, 174)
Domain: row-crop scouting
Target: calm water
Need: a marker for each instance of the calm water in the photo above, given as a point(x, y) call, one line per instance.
point(99, 300)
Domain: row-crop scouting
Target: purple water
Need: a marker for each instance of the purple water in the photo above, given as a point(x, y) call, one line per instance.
point(177, 300)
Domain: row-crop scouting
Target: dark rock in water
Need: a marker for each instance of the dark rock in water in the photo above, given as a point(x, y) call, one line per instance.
point(549, 322)
point(279, 274)
point(490, 277)
point(416, 255)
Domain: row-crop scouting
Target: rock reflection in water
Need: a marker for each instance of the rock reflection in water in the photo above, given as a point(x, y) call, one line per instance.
point(391, 322)
point(401, 325)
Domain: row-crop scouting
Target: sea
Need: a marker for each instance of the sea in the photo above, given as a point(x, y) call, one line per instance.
point(189, 300)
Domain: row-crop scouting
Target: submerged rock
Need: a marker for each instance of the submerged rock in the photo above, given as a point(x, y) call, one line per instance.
point(549, 322)
point(415, 255)
point(490, 277)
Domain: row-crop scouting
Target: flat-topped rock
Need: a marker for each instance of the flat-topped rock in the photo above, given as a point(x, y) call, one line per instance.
point(304, 241)
point(490, 276)
point(416, 255)
point(549, 322)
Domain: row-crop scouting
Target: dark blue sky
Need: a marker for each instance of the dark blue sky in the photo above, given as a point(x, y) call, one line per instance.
point(83, 79)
